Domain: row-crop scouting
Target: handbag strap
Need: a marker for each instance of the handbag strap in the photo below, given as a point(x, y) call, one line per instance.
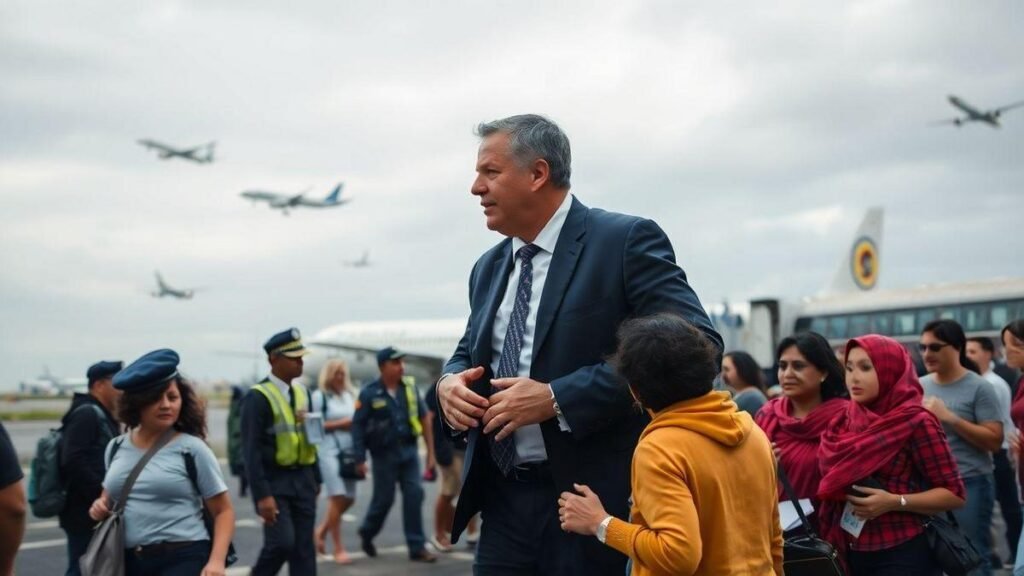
point(134, 475)
point(796, 502)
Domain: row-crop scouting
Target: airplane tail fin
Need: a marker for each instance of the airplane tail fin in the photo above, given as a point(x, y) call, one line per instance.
point(336, 193)
point(209, 151)
point(861, 266)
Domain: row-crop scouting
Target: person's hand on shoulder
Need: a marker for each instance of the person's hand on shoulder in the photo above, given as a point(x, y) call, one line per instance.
point(462, 407)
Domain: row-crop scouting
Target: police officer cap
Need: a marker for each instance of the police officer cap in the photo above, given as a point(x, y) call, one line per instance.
point(150, 370)
point(389, 353)
point(287, 343)
point(103, 369)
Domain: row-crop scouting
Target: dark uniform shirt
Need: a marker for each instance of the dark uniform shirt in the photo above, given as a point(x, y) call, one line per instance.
point(381, 422)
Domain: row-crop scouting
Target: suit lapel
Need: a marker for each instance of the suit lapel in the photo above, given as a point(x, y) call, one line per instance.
point(498, 276)
point(563, 264)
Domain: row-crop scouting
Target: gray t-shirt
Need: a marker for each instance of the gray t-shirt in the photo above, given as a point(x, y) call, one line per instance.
point(972, 399)
point(750, 400)
point(163, 506)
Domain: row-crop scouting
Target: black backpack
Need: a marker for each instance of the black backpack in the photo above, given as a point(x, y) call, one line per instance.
point(47, 490)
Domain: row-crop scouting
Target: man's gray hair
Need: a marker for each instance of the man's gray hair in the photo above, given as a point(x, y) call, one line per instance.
point(532, 136)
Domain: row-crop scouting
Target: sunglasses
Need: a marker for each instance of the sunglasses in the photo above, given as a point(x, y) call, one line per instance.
point(933, 347)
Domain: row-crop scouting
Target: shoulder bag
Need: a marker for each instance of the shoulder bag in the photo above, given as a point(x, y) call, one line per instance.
point(951, 549)
point(105, 554)
point(807, 554)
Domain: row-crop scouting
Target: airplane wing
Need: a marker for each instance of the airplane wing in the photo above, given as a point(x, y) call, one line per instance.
point(151, 145)
point(954, 121)
point(1002, 109)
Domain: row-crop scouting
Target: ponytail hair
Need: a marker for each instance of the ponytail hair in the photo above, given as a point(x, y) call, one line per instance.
point(950, 332)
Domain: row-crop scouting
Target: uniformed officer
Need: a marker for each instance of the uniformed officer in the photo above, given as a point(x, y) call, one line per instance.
point(388, 421)
point(280, 462)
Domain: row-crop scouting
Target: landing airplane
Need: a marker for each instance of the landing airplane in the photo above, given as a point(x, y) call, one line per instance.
point(164, 290)
point(363, 262)
point(990, 117)
point(285, 202)
point(165, 152)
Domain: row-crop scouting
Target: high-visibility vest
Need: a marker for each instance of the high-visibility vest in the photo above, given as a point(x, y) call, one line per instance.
point(409, 383)
point(292, 447)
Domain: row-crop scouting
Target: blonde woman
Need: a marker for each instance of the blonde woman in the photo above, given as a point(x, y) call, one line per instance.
point(336, 400)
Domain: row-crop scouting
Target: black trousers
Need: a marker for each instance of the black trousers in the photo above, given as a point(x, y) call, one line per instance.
point(520, 534)
point(290, 539)
point(78, 541)
point(912, 558)
point(1006, 495)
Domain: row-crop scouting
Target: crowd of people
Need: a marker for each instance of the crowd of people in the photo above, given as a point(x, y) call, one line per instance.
point(577, 426)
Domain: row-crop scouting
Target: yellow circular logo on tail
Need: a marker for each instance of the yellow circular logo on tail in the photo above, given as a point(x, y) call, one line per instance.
point(864, 264)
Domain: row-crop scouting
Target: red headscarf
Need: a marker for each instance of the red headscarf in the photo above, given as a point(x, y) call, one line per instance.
point(798, 439)
point(865, 438)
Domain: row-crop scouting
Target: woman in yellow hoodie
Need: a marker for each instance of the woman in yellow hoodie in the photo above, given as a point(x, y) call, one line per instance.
point(704, 492)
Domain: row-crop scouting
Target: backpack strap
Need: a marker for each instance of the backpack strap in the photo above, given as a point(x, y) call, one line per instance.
point(796, 502)
point(192, 471)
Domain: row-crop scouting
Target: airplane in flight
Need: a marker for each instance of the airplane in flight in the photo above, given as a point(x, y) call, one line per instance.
point(164, 290)
point(199, 154)
point(362, 262)
point(284, 202)
point(990, 117)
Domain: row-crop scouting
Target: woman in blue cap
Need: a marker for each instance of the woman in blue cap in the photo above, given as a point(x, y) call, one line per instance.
point(164, 530)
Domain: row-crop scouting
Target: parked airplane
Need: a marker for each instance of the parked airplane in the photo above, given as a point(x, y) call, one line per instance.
point(852, 306)
point(284, 201)
point(990, 117)
point(164, 290)
point(363, 262)
point(166, 152)
point(49, 385)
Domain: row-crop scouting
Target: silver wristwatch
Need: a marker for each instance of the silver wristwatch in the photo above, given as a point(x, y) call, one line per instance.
point(602, 529)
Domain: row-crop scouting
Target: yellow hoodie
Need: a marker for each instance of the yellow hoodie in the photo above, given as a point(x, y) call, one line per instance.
point(704, 495)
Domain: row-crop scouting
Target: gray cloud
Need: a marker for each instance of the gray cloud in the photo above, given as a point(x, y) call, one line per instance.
point(756, 135)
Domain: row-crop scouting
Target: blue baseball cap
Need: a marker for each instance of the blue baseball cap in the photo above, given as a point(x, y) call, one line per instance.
point(103, 369)
point(389, 353)
point(150, 370)
point(287, 343)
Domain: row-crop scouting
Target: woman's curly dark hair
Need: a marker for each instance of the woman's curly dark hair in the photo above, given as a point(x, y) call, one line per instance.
point(191, 419)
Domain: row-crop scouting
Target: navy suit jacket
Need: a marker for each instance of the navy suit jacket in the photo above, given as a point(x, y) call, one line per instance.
point(606, 268)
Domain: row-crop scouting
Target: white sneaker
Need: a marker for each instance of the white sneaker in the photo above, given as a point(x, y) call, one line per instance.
point(440, 547)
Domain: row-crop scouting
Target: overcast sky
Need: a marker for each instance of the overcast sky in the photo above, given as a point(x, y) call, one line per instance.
point(756, 134)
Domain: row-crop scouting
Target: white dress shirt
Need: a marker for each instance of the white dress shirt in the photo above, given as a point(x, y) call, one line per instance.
point(529, 440)
point(283, 386)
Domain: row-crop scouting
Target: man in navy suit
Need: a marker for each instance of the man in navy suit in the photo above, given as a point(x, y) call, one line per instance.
point(528, 382)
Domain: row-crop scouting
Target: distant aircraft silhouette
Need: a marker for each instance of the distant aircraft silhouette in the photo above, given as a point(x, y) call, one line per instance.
point(164, 290)
point(284, 202)
point(363, 262)
point(166, 152)
point(990, 117)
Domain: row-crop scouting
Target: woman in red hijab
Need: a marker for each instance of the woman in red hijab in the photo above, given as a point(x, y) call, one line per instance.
point(889, 449)
point(813, 393)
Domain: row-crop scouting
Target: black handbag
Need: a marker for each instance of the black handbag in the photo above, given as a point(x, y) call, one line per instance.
point(349, 466)
point(807, 554)
point(951, 548)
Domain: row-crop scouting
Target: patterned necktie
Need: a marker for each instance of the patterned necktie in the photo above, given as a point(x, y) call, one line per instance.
point(504, 452)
